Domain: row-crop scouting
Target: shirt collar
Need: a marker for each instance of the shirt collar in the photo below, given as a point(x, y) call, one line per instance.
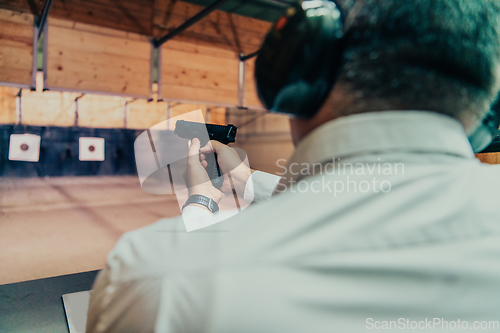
point(383, 131)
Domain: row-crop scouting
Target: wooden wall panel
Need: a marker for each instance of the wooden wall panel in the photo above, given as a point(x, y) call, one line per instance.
point(102, 60)
point(101, 111)
point(143, 115)
point(8, 105)
point(177, 108)
point(217, 116)
point(16, 47)
point(54, 108)
point(49, 108)
point(199, 73)
point(251, 97)
point(265, 137)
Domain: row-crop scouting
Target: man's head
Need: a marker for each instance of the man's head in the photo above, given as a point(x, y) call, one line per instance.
point(435, 55)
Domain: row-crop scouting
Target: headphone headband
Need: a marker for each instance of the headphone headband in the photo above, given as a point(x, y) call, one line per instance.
point(300, 59)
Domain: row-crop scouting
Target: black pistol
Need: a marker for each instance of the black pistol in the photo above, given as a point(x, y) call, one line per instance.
point(224, 134)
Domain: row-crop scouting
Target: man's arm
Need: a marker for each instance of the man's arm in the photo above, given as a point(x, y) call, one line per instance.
point(123, 306)
point(260, 186)
point(156, 280)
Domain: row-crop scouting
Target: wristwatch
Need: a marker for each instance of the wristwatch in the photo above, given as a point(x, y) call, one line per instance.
point(204, 201)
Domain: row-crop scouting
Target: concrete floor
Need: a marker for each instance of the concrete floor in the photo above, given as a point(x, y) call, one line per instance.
point(55, 226)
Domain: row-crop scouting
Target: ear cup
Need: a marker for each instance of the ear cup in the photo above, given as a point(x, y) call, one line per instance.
point(300, 59)
point(484, 134)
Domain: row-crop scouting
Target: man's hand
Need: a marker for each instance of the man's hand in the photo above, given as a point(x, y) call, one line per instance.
point(230, 163)
point(196, 176)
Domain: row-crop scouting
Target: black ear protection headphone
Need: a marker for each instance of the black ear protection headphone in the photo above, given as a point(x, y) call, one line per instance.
point(301, 58)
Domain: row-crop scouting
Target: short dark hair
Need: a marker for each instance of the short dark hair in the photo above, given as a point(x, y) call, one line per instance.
point(437, 55)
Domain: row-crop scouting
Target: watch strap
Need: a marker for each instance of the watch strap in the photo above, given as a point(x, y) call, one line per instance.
point(204, 201)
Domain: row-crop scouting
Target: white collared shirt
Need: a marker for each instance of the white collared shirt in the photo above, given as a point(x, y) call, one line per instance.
point(423, 251)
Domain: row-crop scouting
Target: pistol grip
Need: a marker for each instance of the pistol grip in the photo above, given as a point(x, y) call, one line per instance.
point(213, 170)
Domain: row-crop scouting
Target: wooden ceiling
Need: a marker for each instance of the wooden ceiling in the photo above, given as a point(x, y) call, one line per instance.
point(156, 18)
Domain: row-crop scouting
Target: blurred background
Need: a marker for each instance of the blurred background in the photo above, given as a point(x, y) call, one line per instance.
point(72, 69)
point(92, 70)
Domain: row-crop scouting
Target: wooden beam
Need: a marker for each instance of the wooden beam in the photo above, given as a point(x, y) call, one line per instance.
point(126, 15)
point(34, 7)
point(217, 29)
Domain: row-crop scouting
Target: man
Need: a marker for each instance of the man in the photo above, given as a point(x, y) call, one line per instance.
point(384, 220)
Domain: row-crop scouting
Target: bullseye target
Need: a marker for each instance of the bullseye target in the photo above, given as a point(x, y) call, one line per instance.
point(91, 149)
point(24, 147)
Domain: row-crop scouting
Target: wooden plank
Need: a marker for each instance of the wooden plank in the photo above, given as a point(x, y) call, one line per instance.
point(100, 111)
point(53, 108)
point(265, 137)
point(16, 47)
point(203, 73)
point(204, 96)
point(127, 15)
point(8, 105)
point(266, 156)
point(252, 99)
point(199, 73)
point(217, 116)
point(489, 158)
point(97, 29)
point(48, 108)
point(89, 61)
point(178, 108)
point(143, 114)
point(199, 48)
point(258, 122)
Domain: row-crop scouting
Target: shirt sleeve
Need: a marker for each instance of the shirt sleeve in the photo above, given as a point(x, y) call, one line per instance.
point(123, 306)
point(152, 283)
point(260, 186)
point(197, 217)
